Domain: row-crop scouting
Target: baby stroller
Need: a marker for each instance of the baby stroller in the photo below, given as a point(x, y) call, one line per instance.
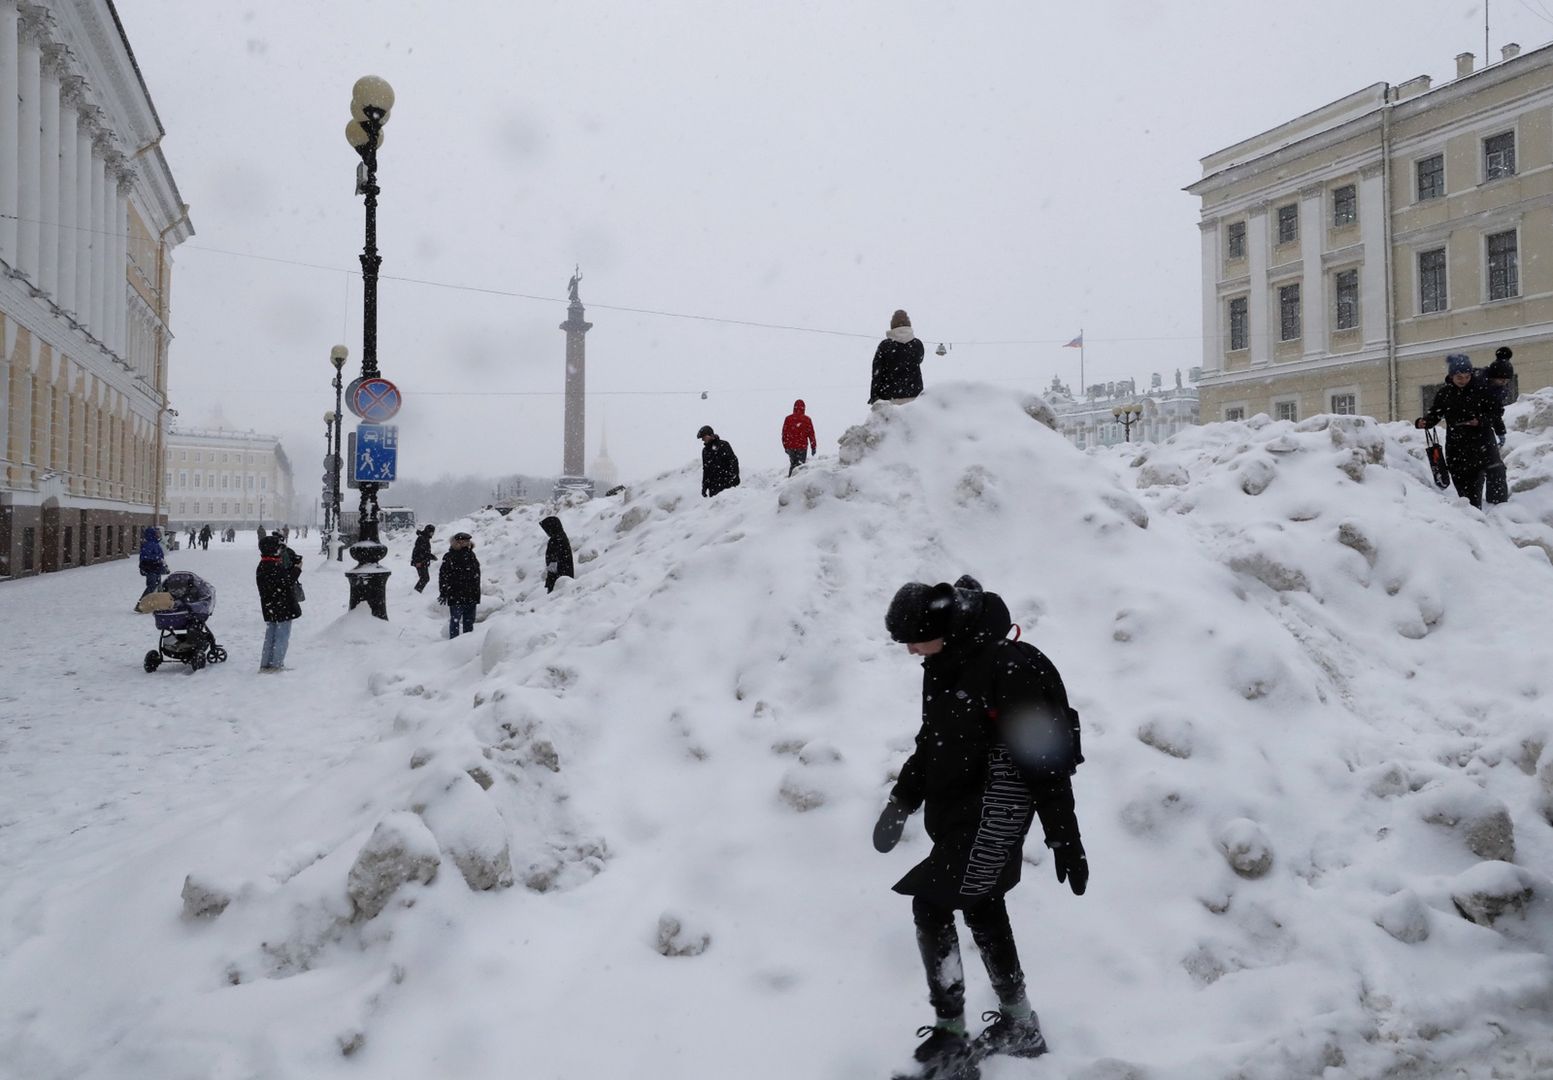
point(185, 637)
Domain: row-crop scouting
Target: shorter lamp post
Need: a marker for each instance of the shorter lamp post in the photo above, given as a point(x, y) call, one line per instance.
point(1128, 415)
point(337, 358)
point(328, 499)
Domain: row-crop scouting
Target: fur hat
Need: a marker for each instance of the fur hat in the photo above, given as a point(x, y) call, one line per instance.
point(1458, 364)
point(269, 545)
point(899, 319)
point(1501, 368)
point(920, 612)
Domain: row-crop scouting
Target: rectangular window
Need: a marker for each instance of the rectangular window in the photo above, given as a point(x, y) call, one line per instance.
point(1431, 177)
point(1504, 275)
point(261, 483)
point(69, 544)
point(197, 457)
point(1345, 404)
point(169, 478)
point(1288, 223)
point(196, 479)
point(1499, 156)
point(1345, 205)
point(223, 510)
point(1289, 312)
point(1431, 281)
point(225, 480)
point(1286, 410)
point(1235, 412)
point(1235, 237)
point(250, 481)
point(1239, 335)
point(183, 455)
point(29, 539)
point(96, 541)
point(1347, 282)
point(182, 508)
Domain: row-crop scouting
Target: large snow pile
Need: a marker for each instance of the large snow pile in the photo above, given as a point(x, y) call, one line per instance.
point(623, 829)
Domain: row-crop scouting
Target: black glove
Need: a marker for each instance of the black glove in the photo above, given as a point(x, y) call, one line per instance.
point(1072, 866)
point(442, 599)
point(887, 833)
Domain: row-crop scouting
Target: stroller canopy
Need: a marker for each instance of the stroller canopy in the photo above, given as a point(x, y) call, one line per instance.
point(191, 592)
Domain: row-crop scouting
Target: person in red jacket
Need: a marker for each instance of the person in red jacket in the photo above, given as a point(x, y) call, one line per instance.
point(798, 437)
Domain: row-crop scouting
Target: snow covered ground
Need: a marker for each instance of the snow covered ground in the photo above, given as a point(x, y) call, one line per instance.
point(632, 818)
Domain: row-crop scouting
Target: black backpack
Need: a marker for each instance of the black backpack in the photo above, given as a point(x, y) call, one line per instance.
point(1049, 746)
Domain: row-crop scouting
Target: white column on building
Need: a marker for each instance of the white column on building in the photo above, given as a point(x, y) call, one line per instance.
point(69, 102)
point(118, 291)
point(1212, 321)
point(1313, 289)
point(1372, 276)
point(48, 118)
point(1258, 306)
point(9, 130)
point(85, 167)
point(100, 239)
point(29, 88)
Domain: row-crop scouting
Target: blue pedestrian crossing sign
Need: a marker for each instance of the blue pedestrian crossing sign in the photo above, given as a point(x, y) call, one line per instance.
point(375, 458)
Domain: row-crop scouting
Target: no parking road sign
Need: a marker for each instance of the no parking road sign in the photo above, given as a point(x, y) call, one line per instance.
point(375, 454)
point(374, 400)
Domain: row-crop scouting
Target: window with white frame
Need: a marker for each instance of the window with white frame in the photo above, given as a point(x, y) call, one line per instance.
point(196, 479)
point(1239, 336)
point(1431, 177)
point(1504, 275)
point(1235, 240)
point(1346, 285)
point(1289, 312)
point(1288, 223)
point(1287, 409)
point(1345, 205)
point(1499, 156)
point(1431, 281)
point(1234, 412)
point(1345, 403)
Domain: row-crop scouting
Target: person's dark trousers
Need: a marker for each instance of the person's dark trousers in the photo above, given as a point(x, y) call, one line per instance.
point(460, 613)
point(939, 944)
point(1498, 484)
point(153, 582)
point(424, 570)
point(797, 457)
point(1469, 483)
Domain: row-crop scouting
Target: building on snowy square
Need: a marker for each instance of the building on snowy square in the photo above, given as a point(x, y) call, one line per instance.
point(1346, 252)
point(89, 215)
point(224, 478)
point(1091, 420)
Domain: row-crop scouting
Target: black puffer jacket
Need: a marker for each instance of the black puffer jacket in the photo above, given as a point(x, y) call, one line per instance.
point(897, 370)
point(998, 745)
point(420, 554)
point(277, 592)
point(719, 467)
point(1468, 444)
point(458, 582)
point(558, 552)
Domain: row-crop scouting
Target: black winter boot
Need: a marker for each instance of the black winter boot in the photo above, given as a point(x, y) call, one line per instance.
point(946, 1054)
point(1011, 1035)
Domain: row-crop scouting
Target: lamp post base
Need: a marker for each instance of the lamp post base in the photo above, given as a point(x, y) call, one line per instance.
point(368, 580)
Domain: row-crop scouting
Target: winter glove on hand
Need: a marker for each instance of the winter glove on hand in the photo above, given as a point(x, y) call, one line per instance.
point(1072, 866)
point(442, 599)
point(887, 833)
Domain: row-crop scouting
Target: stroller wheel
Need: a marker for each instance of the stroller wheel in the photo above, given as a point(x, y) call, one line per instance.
point(217, 654)
point(153, 660)
point(196, 661)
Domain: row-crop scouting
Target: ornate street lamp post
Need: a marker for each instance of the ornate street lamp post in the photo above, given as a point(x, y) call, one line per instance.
point(328, 499)
point(371, 100)
point(1128, 415)
point(337, 356)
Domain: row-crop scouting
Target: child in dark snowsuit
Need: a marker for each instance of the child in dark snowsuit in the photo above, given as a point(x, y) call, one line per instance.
point(558, 553)
point(997, 747)
point(421, 557)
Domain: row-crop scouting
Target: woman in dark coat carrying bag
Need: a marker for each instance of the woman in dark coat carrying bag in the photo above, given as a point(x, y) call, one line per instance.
point(277, 586)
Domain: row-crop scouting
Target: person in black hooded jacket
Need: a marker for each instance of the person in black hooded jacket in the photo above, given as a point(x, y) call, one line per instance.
point(421, 557)
point(558, 552)
point(997, 748)
point(1474, 424)
point(719, 464)
point(897, 371)
point(458, 583)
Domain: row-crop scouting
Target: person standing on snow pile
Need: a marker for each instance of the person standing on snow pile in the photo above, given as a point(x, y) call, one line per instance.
point(277, 601)
point(1501, 382)
point(897, 364)
point(719, 464)
point(1474, 425)
point(421, 557)
point(558, 553)
point(798, 437)
point(997, 747)
point(153, 561)
point(458, 583)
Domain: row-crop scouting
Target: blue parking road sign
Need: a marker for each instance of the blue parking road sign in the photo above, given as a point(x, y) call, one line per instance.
point(375, 458)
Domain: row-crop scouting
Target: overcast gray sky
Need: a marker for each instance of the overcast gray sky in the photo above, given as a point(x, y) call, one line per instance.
point(1006, 170)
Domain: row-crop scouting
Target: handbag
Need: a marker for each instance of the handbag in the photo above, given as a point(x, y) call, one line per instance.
point(297, 593)
point(1436, 456)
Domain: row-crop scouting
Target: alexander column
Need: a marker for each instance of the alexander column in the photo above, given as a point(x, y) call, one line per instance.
point(576, 383)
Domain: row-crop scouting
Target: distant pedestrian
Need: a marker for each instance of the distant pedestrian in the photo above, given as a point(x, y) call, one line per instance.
point(1474, 426)
point(205, 538)
point(277, 602)
point(897, 364)
point(153, 561)
point(421, 557)
point(798, 437)
point(458, 583)
point(719, 464)
point(558, 552)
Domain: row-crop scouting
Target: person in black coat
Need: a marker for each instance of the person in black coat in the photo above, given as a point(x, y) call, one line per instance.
point(1501, 382)
point(421, 557)
point(997, 747)
point(277, 602)
point(1474, 425)
point(897, 373)
point(719, 464)
point(558, 552)
point(458, 583)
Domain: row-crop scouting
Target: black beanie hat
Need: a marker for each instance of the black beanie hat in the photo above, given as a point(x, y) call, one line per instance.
point(1501, 368)
point(269, 545)
point(920, 612)
point(1504, 352)
point(706, 429)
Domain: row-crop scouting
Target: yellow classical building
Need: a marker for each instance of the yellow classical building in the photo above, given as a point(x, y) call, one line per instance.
point(1347, 252)
point(89, 215)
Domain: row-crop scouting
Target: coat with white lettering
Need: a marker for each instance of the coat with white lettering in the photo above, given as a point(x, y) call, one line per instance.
point(997, 746)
